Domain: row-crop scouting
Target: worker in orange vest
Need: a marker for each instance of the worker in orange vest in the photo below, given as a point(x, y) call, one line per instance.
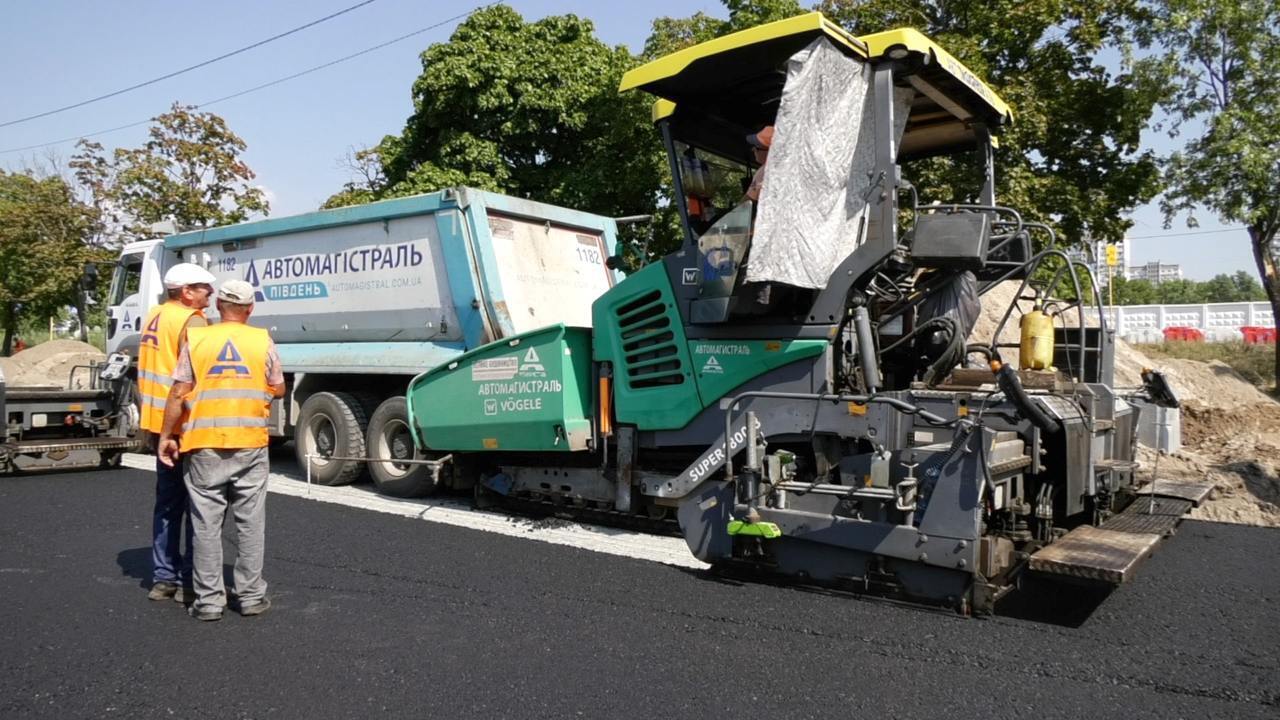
point(226, 377)
point(188, 287)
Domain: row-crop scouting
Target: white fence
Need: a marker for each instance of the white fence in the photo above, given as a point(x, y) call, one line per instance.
point(1218, 321)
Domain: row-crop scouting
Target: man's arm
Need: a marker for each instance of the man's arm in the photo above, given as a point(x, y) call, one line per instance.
point(183, 383)
point(275, 373)
point(168, 449)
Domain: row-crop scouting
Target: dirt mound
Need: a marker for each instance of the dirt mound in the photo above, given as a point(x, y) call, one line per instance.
point(1237, 450)
point(1213, 384)
point(994, 305)
point(50, 363)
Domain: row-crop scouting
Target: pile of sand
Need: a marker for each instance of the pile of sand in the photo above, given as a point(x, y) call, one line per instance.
point(50, 364)
point(1230, 429)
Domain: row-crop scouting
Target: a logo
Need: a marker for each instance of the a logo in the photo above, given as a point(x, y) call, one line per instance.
point(531, 365)
point(689, 276)
point(226, 357)
point(251, 277)
point(712, 367)
point(149, 337)
point(490, 407)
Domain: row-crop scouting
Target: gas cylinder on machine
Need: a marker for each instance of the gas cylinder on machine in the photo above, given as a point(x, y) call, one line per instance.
point(1037, 339)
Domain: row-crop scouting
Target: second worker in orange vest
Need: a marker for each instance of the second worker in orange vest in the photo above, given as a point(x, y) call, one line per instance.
point(226, 377)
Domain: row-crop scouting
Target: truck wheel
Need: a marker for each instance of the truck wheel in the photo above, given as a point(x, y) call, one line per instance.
point(389, 439)
point(330, 425)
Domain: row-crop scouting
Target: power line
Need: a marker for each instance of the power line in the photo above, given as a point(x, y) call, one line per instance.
point(1191, 232)
point(176, 73)
point(263, 86)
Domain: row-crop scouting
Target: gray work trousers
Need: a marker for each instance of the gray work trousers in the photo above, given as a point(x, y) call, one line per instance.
point(215, 480)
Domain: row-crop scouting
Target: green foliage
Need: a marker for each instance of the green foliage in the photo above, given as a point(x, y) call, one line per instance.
point(44, 234)
point(189, 172)
point(529, 109)
point(671, 34)
point(532, 109)
point(1220, 65)
point(1131, 292)
point(1071, 156)
point(1239, 287)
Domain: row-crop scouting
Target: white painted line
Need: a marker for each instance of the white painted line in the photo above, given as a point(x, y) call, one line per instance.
point(612, 541)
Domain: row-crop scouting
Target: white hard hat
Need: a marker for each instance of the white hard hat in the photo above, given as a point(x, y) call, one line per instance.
point(184, 274)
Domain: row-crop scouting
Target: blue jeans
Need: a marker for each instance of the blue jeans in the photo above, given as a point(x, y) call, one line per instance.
point(167, 521)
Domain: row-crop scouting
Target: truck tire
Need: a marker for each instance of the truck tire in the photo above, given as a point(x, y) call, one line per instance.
point(330, 424)
point(389, 439)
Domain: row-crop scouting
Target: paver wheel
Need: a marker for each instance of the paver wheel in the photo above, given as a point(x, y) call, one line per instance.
point(389, 438)
point(330, 424)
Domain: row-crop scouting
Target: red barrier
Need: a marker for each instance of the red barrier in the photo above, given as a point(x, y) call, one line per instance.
point(1254, 335)
point(1186, 334)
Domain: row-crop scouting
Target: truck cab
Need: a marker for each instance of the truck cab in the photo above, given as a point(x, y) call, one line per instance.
point(136, 286)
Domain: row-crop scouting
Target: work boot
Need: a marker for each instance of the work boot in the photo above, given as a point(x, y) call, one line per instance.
point(185, 594)
point(161, 590)
point(205, 614)
point(256, 608)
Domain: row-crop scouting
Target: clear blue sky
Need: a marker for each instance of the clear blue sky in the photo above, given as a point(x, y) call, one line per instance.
point(57, 52)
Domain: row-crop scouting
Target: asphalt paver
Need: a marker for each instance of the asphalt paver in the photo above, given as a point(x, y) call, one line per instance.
point(389, 616)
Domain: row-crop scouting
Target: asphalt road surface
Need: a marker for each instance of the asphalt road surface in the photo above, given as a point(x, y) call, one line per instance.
point(379, 615)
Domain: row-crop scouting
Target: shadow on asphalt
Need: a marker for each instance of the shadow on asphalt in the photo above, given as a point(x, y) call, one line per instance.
point(1036, 600)
point(136, 563)
point(1054, 603)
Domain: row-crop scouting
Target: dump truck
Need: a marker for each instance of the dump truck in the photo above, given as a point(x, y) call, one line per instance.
point(360, 299)
point(795, 387)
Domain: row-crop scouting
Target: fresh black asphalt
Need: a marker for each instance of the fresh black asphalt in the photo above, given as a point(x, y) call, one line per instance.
point(377, 615)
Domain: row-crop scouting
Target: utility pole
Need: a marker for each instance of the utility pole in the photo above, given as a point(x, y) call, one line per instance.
point(1111, 282)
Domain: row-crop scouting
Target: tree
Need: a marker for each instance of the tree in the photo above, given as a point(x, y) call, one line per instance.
point(1071, 156)
point(532, 109)
point(1179, 292)
point(1220, 62)
point(529, 109)
point(189, 172)
point(1239, 287)
point(671, 34)
point(44, 233)
point(1132, 292)
point(367, 178)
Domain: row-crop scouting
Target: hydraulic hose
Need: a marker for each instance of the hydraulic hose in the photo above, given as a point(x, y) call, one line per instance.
point(1007, 379)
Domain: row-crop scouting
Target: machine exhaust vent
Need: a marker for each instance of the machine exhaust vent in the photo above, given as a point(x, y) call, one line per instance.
point(650, 354)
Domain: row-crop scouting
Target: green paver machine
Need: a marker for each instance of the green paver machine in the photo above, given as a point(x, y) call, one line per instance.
point(796, 385)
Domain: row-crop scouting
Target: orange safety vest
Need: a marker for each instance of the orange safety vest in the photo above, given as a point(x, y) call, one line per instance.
point(158, 356)
point(231, 401)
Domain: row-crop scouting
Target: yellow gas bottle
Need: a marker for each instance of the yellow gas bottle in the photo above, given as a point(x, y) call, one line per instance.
point(1037, 340)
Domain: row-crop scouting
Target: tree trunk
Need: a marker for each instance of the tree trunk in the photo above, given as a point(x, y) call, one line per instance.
point(1264, 255)
point(9, 321)
point(80, 316)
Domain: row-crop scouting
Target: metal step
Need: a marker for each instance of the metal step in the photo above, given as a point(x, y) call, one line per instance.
point(1141, 517)
point(1094, 553)
point(1111, 553)
point(1192, 490)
